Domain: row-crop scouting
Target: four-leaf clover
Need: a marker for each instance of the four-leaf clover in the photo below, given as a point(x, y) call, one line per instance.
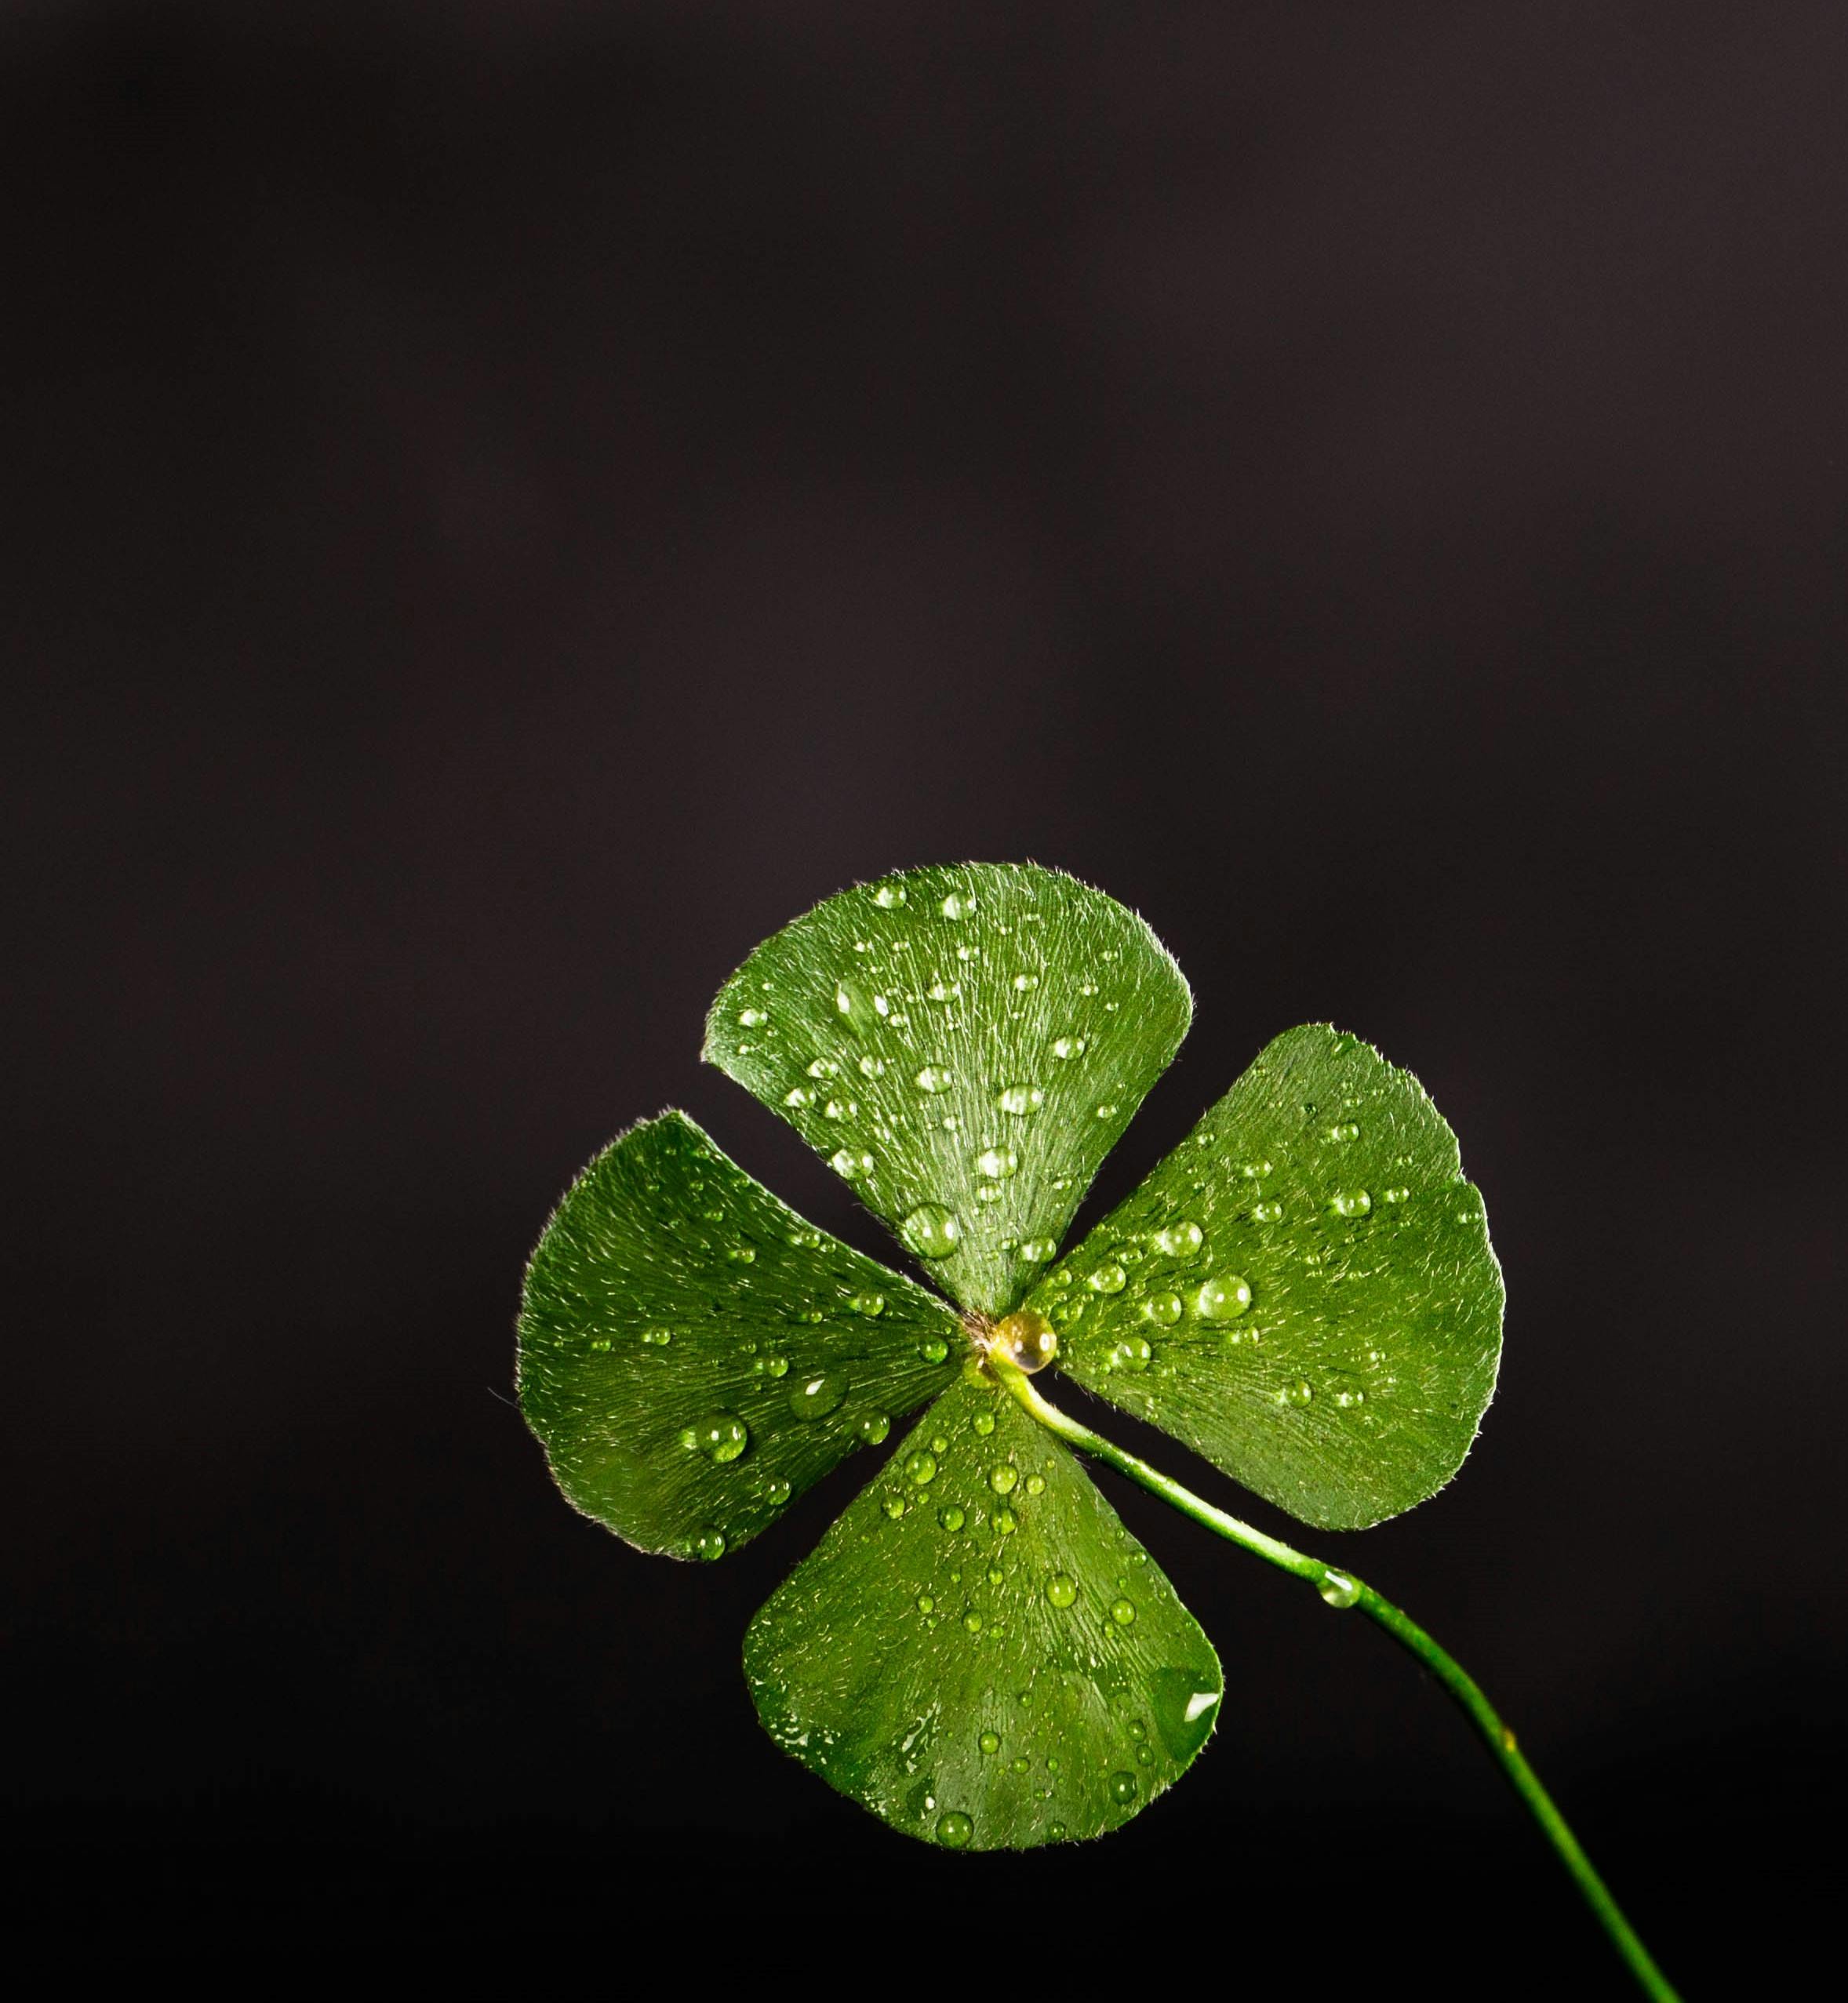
point(1303, 1291)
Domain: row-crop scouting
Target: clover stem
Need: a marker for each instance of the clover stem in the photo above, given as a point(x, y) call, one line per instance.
point(1341, 1589)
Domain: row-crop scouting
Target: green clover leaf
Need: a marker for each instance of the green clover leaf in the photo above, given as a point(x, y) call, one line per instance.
point(978, 1651)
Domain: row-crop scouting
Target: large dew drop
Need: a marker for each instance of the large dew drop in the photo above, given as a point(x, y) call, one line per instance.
point(931, 1231)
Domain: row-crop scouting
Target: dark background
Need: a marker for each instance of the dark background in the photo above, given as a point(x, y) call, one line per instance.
point(512, 501)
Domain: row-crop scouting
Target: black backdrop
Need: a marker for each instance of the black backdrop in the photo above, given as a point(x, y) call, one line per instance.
point(510, 503)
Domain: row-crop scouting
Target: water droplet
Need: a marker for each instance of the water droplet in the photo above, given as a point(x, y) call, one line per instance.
point(959, 904)
point(1067, 1047)
point(1338, 1590)
point(870, 1305)
point(1122, 1789)
point(1055, 1832)
point(889, 896)
point(996, 1163)
point(1002, 1479)
point(921, 1467)
point(926, 1603)
point(797, 1095)
point(893, 1506)
point(741, 1255)
point(931, 1231)
point(935, 1077)
point(777, 1493)
point(951, 1516)
point(657, 1338)
point(1108, 1111)
point(1005, 1522)
point(710, 1544)
point(1122, 1613)
point(972, 1621)
point(841, 1109)
point(1036, 1485)
point(752, 1018)
point(989, 1742)
point(983, 1423)
point(1343, 1130)
point(1164, 1309)
point(1394, 1195)
point(823, 1067)
point(776, 1366)
point(1224, 1298)
point(1025, 983)
point(1132, 1353)
point(1025, 1339)
point(851, 1162)
point(872, 1068)
point(1350, 1203)
point(1346, 1399)
point(1109, 1278)
point(874, 1427)
point(934, 1348)
point(1267, 1213)
point(1020, 1100)
point(599, 1342)
point(722, 1438)
point(814, 1397)
point(1298, 1391)
point(1061, 1589)
point(1036, 1252)
point(954, 1831)
point(1184, 1702)
point(1179, 1241)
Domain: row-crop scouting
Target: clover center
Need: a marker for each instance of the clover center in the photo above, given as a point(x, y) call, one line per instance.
point(1027, 1339)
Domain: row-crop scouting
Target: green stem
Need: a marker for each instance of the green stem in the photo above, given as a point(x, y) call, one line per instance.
point(1342, 1589)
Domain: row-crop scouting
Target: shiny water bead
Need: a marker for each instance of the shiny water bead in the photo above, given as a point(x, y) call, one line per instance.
point(1020, 1100)
point(1132, 1353)
point(709, 1544)
point(1005, 1522)
point(1065, 1047)
point(1038, 1251)
point(1109, 1278)
point(1224, 1298)
point(777, 1493)
point(921, 1467)
point(1024, 983)
point(1298, 1391)
point(1179, 1241)
point(983, 1423)
point(752, 1018)
point(934, 1348)
point(931, 1231)
point(1394, 1195)
point(1339, 1590)
point(935, 1077)
point(815, 1396)
point(1343, 1131)
point(989, 1742)
point(1025, 1339)
point(874, 1427)
point(871, 1066)
point(1002, 1479)
point(776, 1366)
point(954, 1831)
point(889, 896)
point(1122, 1613)
point(722, 1438)
point(851, 1162)
point(925, 1604)
point(1122, 1789)
point(997, 1163)
point(972, 1621)
point(870, 1305)
point(1267, 1213)
point(894, 1506)
point(959, 904)
point(951, 1518)
point(1036, 1485)
point(797, 1095)
point(1163, 1309)
point(1350, 1203)
point(741, 1255)
point(657, 1338)
point(1061, 1589)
